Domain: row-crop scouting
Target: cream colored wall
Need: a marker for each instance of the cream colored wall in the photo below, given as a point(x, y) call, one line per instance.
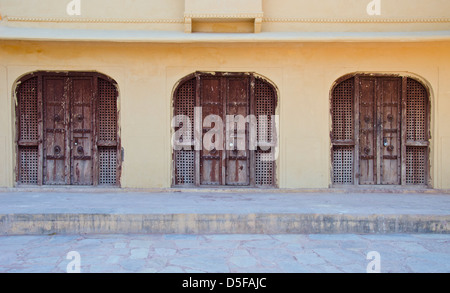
point(304, 74)
point(279, 15)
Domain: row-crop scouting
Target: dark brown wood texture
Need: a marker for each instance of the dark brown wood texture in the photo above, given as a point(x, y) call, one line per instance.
point(57, 130)
point(225, 157)
point(391, 117)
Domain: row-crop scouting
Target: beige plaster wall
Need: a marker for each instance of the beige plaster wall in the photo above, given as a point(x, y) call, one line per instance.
point(304, 74)
point(279, 15)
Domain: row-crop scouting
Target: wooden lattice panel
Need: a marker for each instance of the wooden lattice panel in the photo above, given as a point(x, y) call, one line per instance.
point(28, 108)
point(265, 106)
point(183, 110)
point(264, 168)
point(107, 132)
point(265, 102)
point(28, 165)
point(107, 165)
point(416, 165)
point(107, 111)
point(184, 105)
point(343, 164)
point(342, 111)
point(416, 111)
point(184, 169)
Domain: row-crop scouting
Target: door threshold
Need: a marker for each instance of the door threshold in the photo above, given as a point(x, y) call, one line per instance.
point(385, 188)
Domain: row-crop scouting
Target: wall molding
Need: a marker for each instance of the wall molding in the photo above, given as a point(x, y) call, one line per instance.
point(228, 16)
point(90, 20)
point(357, 20)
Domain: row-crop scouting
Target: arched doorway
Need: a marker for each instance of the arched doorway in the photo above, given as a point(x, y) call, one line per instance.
point(67, 129)
point(380, 131)
point(233, 143)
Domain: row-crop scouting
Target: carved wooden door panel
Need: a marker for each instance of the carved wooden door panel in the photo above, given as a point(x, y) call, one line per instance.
point(379, 138)
point(212, 157)
point(225, 157)
point(237, 134)
point(56, 131)
point(81, 141)
point(230, 150)
point(68, 131)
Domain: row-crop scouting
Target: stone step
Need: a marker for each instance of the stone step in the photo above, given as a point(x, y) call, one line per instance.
point(259, 223)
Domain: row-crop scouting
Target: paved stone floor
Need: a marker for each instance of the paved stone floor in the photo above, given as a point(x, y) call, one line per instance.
point(399, 253)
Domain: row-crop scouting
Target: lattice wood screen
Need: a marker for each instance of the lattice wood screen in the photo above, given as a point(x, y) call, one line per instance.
point(342, 111)
point(28, 165)
point(416, 131)
point(184, 103)
point(343, 164)
point(107, 132)
point(343, 128)
point(184, 172)
point(265, 104)
point(416, 165)
point(107, 165)
point(27, 96)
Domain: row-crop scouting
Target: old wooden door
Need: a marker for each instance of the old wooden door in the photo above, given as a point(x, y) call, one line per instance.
point(225, 155)
point(230, 105)
point(68, 130)
point(380, 131)
point(379, 136)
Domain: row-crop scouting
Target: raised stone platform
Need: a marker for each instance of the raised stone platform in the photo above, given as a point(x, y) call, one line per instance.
point(41, 211)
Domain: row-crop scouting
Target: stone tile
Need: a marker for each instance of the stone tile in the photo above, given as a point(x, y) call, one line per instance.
point(207, 264)
point(148, 271)
point(335, 237)
point(140, 243)
point(171, 269)
point(243, 261)
point(309, 258)
point(133, 265)
point(180, 237)
point(292, 267)
point(410, 247)
point(114, 259)
point(237, 237)
point(120, 245)
point(240, 252)
point(265, 243)
point(217, 252)
point(289, 238)
point(139, 253)
point(165, 251)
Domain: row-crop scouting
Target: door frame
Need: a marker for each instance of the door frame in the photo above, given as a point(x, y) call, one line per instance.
point(356, 113)
point(196, 76)
point(40, 122)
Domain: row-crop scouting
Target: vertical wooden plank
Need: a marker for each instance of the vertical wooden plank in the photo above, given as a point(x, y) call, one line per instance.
point(403, 130)
point(252, 127)
point(40, 110)
point(389, 94)
point(17, 136)
point(399, 130)
point(81, 130)
point(379, 129)
point(367, 131)
point(198, 129)
point(237, 106)
point(95, 125)
point(356, 134)
point(224, 92)
point(56, 132)
point(120, 155)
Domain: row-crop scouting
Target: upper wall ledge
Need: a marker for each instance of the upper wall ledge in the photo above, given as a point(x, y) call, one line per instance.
point(89, 35)
point(229, 16)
